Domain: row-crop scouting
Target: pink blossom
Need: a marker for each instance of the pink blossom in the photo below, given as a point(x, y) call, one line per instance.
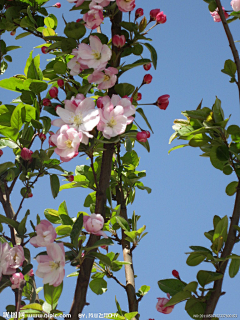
point(105, 79)
point(4, 262)
point(94, 17)
point(235, 5)
point(126, 5)
point(46, 234)
point(94, 223)
point(57, 5)
point(96, 55)
point(30, 273)
point(26, 154)
point(67, 141)
point(118, 41)
point(160, 305)
point(161, 18)
point(79, 113)
point(142, 136)
point(15, 259)
point(138, 13)
point(153, 14)
point(75, 66)
point(216, 16)
point(16, 280)
point(51, 266)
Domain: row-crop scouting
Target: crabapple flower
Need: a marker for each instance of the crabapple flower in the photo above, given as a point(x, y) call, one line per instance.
point(175, 273)
point(57, 5)
point(30, 273)
point(162, 101)
point(161, 18)
point(46, 102)
point(67, 141)
point(147, 66)
point(4, 252)
point(94, 17)
point(53, 92)
point(26, 154)
point(126, 5)
point(118, 41)
point(75, 66)
point(80, 114)
point(235, 5)
point(147, 79)
point(142, 136)
point(94, 223)
point(153, 14)
point(15, 259)
point(138, 13)
point(106, 79)
point(51, 266)
point(16, 279)
point(96, 55)
point(216, 16)
point(46, 234)
point(160, 305)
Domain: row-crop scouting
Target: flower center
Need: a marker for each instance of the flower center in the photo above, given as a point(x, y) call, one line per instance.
point(106, 78)
point(68, 143)
point(112, 123)
point(78, 120)
point(97, 55)
point(54, 264)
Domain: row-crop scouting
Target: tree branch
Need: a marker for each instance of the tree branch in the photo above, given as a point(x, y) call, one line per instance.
point(231, 42)
point(231, 239)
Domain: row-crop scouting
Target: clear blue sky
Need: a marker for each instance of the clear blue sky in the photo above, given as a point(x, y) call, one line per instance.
point(187, 190)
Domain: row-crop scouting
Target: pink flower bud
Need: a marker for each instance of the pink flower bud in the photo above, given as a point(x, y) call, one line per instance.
point(1, 153)
point(12, 33)
point(60, 83)
point(70, 178)
point(138, 13)
point(175, 273)
point(57, 5)
point(147, 66)
point(161, 18)
point(30, 273)
point(46, 102)
point(161, 303)
point(53, 92)
point(139, 96)
point(42, 136)
point(153, 14)
point(162, 101)
point(16, 279)
point(235, 5)
point(44, 49)
point(216, 16)
point(118, 41)
point(26, 154)
point(142, 136)
point(94, 223)
point(147, 79)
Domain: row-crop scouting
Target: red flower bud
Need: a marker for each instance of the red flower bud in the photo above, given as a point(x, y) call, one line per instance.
point(26, 154)
point(29, 195)
point(42, 136)
point(46, 102)
point(78, 20)
point(138, 13)
point(162, 101)
point(44, 49)
point(161, 18)
point(153, 14)
point(57, 5)
point(139, 96)
point(70, 178)
point(147, 79)
point(118, 41)
point(1, 152)
point(60, 83)
point(53, 92)
point(142, 136)
point(147, 66)
point(148, 134)
point(12, 33)
point(175, 273)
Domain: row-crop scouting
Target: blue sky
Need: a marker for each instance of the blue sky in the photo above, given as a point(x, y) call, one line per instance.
point(187, 190)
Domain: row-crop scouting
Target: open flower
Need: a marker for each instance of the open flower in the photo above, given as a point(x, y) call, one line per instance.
point(216, 16)
point(80, 114)
point(105, 79)
point(161, 303)
point(46, 234)
point(51, 266)
point(67, 141)
point(96, 55)
point(94, 223)
point(126, 5)
point(94, 17)
point(235, 5)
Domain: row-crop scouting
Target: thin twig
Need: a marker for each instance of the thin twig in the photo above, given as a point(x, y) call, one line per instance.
point(113, 277)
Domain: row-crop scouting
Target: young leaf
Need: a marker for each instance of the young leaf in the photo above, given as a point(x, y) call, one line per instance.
point(55, 185)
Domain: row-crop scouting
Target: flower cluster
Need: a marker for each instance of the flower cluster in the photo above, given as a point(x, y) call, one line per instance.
point(51, 266)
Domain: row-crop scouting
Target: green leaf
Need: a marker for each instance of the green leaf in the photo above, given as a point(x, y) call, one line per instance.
point(221, 229)
point(191, 286)
point(64, 230)
point(99, 243)
point(231, 188)
point(234, 267)
point(27, 268)
point(123, 223)
point(206, 277)
point(9, 221)
point(194, 306)
point(171, 286)
point(195, 259)
point(153, 54)
point(130, 315)
point(212, 6)
point(135, 64)
point(218, 164)
point(178, 297)
point(102, 257)
point(229, 68)
point(199, 140)
point(22, 35)
point(218, 114)
point(74, 30)
point(124, 89)
point(55, 185)
point(49, 22)
point(76, 229)
point(91, 198)
point(177, 147)
point(143, 290)
point(130, 26)
point(52, 216)
point(60, 67)
point(52, 294)
point(6, 165)
point(48, 32)
point(98, 286)
point(33, 306)
point(141, 112)
point(38, 86)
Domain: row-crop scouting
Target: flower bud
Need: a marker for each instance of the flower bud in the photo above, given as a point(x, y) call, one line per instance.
point(147, 66)
point(26, 154)
point(57, 5)
point(161, 18)
point(142, 24)
point(44, 49)
point(147, 79)
point(175, 273)
point(148, 134)
point(42, 136)
point(46, 102)
point(141, 136)
point(1, 152)
point(139, 96)
point(118, 41)
point(53, 92)
point(162, 101)
point(138, 13)
point(70, 178)
point(29, 195)
point(153, 14)
point(60, 83)
point(12, 33)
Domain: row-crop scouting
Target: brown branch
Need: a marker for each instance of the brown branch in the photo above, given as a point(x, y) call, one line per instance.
point(231, 42)
point(231, 240)
point(116, 279)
